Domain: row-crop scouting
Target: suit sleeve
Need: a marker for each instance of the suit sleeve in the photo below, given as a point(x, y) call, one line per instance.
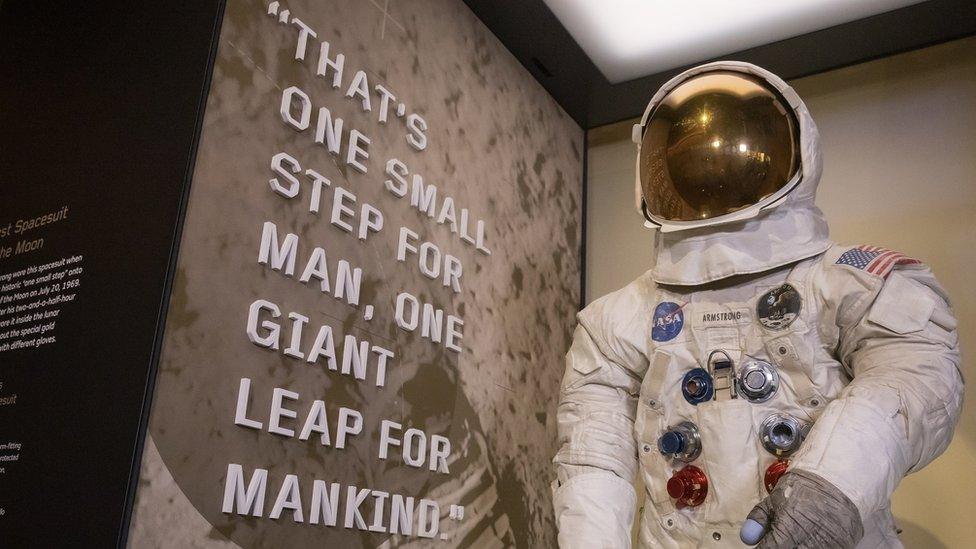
point(899, 411)
point(593, 494)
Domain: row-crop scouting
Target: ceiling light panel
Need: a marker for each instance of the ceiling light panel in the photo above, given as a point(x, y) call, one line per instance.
point(627, 39)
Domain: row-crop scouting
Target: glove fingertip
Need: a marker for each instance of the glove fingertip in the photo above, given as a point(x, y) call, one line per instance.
point(752, 531)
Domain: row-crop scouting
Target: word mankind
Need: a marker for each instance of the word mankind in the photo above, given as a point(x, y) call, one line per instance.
point(325, 503)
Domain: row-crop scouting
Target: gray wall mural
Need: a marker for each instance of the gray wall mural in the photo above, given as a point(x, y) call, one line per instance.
point(454, 107)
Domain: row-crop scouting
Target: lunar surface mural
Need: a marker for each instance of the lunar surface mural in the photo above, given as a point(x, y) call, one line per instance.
point(377, 280)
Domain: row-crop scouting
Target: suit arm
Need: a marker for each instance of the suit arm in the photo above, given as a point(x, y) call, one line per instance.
point(593, 494)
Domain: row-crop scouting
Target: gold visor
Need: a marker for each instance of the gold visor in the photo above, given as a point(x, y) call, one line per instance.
point(717, 143)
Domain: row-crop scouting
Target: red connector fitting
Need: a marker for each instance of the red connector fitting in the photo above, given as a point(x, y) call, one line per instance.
point(773, 472)
point(689, 486)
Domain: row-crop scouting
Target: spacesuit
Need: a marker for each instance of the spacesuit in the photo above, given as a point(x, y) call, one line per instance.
point(758, 369)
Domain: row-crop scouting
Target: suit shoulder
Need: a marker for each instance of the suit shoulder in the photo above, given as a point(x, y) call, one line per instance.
point(849, 278)
point(619, 321)
point(620, 304)
point(868, 262)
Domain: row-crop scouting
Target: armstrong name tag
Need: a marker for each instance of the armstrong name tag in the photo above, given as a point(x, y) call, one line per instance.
point(725, 316)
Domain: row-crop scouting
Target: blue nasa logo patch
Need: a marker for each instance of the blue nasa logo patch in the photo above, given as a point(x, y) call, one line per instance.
point(668, 321)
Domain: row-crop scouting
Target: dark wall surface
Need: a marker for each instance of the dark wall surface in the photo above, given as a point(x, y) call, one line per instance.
point(99, 110)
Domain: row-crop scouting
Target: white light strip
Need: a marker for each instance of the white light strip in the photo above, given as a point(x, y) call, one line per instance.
point(627, 39)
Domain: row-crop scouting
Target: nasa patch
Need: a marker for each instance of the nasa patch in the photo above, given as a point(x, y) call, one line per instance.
point(779, 307)
point(668, 321)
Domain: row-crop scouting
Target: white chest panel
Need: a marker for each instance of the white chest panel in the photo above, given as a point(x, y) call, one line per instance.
point(687, 327)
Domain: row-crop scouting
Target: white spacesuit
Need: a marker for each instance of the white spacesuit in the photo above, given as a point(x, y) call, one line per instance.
point(753, 346)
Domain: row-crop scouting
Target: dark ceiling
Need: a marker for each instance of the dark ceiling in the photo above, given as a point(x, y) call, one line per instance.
point(540, 42)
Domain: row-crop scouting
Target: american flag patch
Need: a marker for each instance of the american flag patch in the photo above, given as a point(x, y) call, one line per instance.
point(875, 260)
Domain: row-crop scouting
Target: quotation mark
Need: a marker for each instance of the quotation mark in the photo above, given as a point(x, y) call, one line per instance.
point(456, 513)
point(273, 10)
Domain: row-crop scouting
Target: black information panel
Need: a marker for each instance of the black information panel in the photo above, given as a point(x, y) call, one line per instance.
point(99, 110)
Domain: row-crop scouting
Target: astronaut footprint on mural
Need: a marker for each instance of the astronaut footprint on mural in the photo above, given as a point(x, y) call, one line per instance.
point(769, 386)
